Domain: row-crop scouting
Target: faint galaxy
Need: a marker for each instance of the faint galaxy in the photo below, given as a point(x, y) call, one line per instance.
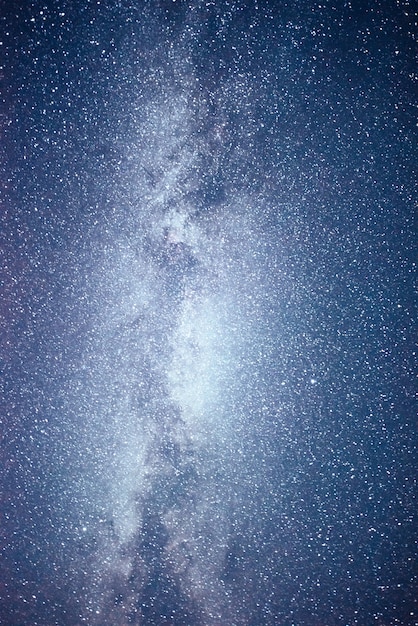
point(207, 310)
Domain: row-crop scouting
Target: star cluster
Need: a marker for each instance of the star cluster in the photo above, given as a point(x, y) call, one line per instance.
point(207, 313)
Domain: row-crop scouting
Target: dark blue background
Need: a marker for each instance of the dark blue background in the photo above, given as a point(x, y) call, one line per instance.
point(330, 536)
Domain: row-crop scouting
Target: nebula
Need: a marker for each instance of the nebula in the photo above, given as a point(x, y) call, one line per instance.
point(206, 314)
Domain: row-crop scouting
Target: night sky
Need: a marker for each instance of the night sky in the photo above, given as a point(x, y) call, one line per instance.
point(207, 313)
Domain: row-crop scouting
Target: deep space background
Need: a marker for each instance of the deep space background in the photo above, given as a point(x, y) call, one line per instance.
point(207, 313)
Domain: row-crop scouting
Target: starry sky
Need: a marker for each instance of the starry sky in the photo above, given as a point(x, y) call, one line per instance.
point(207, 313)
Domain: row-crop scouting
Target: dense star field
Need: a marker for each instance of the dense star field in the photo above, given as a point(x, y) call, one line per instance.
point(207, 313)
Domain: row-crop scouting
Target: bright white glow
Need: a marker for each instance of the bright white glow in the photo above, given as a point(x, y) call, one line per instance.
point(200, 365)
